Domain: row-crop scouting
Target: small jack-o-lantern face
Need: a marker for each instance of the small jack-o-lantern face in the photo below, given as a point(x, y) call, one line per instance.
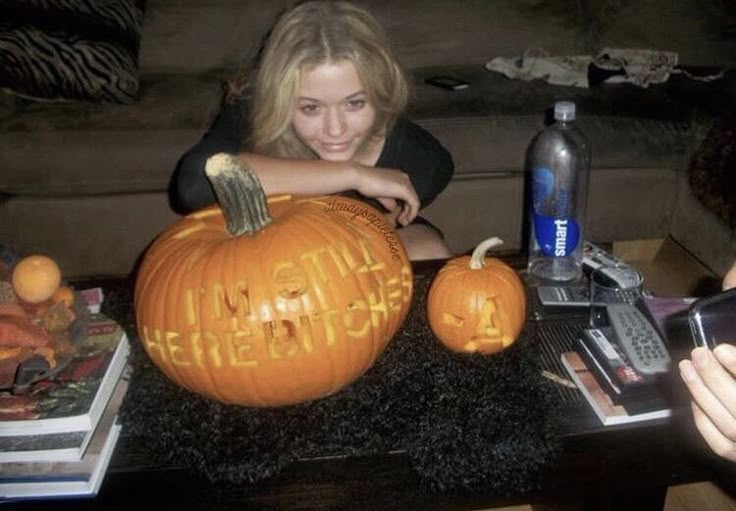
point(477, 304)
point(267, 306)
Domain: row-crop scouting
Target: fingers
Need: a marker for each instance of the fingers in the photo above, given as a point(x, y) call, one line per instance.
point(713, 390)
point(393, 211)
point(717, 380)
point(392, 184)
point(407, 201)
point(729, 281)
point(398, 213)
point(711, 386)
point(726, 355)
point(388, 203)
point(409, 211)
point(702, 395)
point(717, 441)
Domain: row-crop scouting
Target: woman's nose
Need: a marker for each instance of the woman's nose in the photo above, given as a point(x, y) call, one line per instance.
point(334, 122)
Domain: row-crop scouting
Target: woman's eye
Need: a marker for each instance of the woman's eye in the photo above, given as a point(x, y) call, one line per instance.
point(356, 104)
point(309, 109)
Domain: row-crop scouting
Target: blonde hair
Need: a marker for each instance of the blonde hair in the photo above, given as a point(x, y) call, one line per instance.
point(311, 34)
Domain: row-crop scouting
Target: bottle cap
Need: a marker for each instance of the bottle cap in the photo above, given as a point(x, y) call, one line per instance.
point(564, 111)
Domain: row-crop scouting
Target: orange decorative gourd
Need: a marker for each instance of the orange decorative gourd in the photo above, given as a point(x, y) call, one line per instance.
point(36, 278)
point(477, 303)
point(271, 302)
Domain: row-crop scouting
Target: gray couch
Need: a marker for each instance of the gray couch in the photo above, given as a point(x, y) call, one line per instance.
point(86, 183)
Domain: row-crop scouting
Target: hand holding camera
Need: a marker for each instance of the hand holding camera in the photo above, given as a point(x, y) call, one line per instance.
point(710, 375)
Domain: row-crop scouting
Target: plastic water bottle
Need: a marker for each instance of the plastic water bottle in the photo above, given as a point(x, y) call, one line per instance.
point(558, 160)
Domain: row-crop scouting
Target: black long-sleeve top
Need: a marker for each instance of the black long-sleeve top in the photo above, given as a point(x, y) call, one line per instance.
point(408, 147)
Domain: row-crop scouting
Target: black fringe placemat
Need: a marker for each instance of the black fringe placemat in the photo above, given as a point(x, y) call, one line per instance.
point(464, 421)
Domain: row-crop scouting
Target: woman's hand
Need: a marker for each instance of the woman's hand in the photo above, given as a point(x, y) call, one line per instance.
point(710, 378)
point(392, 188)
point(393, 209)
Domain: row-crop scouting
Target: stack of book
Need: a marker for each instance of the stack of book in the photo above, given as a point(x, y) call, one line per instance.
point(56, 439)
point(611, 403)
point(609, 409)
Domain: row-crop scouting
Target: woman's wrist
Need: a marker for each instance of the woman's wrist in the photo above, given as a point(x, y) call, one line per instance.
point(355, 173)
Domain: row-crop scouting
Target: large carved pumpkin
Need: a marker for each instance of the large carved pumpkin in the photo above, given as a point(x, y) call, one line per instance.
point(477, 303)
point(267, 305)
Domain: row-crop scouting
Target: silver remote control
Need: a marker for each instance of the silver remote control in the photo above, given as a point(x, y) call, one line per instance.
point(625, 277)
point(638, 338)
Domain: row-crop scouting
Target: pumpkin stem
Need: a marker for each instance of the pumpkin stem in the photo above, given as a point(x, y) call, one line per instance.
point(477, 259)
point(239, 193)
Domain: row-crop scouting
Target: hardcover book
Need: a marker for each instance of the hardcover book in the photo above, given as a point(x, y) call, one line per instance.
point(52, 447)
point(610, 367)
point(74, 399)
point(67, 478)
point(607, 411)
point(75, 479)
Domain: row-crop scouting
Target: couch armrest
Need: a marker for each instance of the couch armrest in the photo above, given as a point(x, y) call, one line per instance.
point(707, 237)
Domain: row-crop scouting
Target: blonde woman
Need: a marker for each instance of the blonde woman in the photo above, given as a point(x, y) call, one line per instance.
point(321, 113)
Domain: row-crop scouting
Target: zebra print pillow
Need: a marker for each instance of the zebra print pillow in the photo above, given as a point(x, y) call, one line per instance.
point(71, 49)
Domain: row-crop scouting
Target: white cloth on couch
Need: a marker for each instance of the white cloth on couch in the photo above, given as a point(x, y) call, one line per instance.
point(640, 67)
point(570, 71)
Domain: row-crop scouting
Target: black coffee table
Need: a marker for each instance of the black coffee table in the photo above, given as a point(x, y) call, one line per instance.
point(622, 467)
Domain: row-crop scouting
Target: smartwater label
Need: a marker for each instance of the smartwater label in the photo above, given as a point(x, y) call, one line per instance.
point(556, 237)
point(556, 234)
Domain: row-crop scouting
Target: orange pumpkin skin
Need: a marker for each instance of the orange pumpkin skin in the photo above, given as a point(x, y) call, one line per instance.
point(476, 310)
point(293, 312)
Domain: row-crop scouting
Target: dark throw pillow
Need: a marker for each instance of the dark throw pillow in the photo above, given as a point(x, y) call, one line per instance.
point(71, 49)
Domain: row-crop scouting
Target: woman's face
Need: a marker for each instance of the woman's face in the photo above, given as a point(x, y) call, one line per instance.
point(333, 115)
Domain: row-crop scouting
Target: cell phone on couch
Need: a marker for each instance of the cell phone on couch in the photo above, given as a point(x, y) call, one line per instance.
point(447, 82)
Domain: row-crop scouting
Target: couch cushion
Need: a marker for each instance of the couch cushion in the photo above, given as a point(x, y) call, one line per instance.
point(485, 145)
point(65, 148)
point(92, 235)
point(470, 210)
point(621, 206)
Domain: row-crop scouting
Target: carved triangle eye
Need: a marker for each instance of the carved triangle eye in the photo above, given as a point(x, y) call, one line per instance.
point(452, 319)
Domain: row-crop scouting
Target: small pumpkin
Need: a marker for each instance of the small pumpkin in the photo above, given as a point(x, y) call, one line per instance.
point(477, 304)
point(267, 302)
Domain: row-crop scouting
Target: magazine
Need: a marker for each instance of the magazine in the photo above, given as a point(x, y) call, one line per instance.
point(75, 398)
point(52, 447)
point(609, 413)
